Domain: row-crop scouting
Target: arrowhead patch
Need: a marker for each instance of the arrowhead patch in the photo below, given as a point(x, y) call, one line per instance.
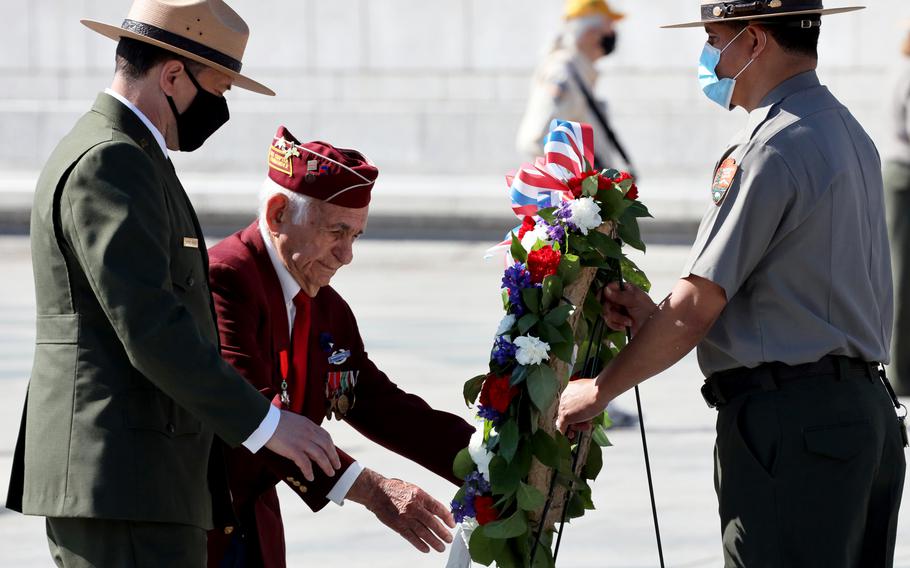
point(723, 179)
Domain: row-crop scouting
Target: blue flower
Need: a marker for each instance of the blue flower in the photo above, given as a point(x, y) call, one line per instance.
point(516, 279)
point(503, 351)
point(488, 413)
point(477, 480)
point(564, 213)
point(462, 510)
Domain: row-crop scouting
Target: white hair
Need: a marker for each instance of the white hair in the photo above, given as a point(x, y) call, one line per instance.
point(300, 204)
point(573, 30)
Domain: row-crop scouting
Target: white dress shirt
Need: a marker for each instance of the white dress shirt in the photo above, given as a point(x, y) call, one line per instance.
point(290, 288)
point(269, 424)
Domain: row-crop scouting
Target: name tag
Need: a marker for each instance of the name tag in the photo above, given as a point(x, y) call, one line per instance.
point(190, 242)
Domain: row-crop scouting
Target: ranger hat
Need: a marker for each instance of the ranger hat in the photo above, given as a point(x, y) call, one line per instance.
point(206, 31)
point(713, 11)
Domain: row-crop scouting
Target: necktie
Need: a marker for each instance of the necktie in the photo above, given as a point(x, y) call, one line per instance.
point(300, 336)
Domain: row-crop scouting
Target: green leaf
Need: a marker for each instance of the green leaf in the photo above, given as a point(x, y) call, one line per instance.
point(530, 498)
point(630, 233)
point(579, 244)
point(595, 462)
point(634, 275)
point(563, 350)
point(611, 173)
point(484, 549)
point(542, 386)
point(526, 322)
point(548, 215)
point(505, 478)
point(472, 389)
point(559, 316)
point(549, 333)
point(593, 309)
point(569, 268)
point(545, 449)
point(638, 210)
point(552, 290)
point(519, 374)
point(612, 204)
point(516, 525)
point(599, 436)
point(589, 186)
point(519, 254)
point(463, 465)
point(505, 299)
point(531, 297)
point(508, 440)
point(605, 245)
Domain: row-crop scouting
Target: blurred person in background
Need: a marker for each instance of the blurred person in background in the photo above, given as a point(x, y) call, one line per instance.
point(563, 85)
point(897, 196)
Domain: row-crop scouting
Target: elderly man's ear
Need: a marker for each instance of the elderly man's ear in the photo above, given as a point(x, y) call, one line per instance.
point(277, 212)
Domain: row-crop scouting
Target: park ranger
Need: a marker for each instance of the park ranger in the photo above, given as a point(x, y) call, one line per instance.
point(787, 294)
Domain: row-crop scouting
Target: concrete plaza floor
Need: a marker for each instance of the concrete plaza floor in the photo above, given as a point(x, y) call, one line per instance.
point(427, 311)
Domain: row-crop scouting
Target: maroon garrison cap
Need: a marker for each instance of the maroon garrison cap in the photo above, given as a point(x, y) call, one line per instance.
point(321, 171)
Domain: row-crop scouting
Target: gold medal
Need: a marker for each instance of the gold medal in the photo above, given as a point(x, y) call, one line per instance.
point(343, 404)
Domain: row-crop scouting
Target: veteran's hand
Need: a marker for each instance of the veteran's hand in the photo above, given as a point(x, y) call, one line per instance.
point(581, 402)
point(406, 509)
point(626, 308)
point(300, 440)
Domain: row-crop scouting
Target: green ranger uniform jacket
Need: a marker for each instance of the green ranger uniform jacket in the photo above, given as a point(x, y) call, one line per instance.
point(127, 386)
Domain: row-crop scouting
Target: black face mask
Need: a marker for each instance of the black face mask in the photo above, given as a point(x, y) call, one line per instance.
point(608, 43)
point(206, 114)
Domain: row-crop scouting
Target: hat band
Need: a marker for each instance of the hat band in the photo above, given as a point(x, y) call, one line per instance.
point(723, 10)
point(183, 43)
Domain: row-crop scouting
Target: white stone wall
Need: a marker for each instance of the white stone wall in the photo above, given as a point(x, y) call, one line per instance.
point(421, 86)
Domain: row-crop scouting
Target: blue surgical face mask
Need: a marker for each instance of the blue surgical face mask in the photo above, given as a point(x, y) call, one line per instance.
point(717, 89)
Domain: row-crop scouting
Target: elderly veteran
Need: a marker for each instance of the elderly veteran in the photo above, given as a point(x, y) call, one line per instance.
point(563, 84)
point(296, 340)
point(128, 386)
point(787, 294)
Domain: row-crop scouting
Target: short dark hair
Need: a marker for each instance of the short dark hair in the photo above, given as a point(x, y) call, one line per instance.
point(136, 58)
point(792, 33)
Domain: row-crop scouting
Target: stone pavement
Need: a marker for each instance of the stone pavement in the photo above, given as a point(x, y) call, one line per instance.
point(427, 311)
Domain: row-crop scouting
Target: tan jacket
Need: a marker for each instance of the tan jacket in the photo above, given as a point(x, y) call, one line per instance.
point(556, 94)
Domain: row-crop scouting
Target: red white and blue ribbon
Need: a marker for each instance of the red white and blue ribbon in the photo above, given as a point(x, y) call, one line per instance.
point(568, 152)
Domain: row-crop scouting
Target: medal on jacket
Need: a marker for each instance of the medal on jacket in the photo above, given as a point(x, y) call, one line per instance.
point(283, 361)
point(339, 393)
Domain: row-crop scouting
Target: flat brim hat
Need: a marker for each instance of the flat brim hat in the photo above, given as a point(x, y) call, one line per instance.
point(207, 31)
point(319, 170)
point(713, 12)
point(584, 8)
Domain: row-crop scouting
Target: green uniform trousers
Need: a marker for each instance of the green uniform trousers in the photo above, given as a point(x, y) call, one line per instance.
point(101, 543)
point(897, 203)
point(810, 475)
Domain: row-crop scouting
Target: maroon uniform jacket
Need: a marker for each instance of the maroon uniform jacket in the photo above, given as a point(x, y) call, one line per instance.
point(253, 323)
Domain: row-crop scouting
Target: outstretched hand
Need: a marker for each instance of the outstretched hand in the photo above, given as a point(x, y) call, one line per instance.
point(406, 509)
point(300, 440)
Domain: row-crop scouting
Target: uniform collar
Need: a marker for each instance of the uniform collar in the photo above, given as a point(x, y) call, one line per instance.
point(159, 138)
point(789, 87)
point(289, 287)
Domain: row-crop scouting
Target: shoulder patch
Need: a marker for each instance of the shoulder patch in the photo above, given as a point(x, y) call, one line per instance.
point(723, 179)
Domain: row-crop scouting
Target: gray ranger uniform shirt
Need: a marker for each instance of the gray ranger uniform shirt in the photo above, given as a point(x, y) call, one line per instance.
point(796, 237)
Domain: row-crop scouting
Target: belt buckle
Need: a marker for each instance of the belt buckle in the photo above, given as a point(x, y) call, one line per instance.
point(710, 395)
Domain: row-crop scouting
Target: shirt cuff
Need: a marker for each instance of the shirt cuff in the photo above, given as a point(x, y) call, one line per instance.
point(265, 431)
point(344, 484)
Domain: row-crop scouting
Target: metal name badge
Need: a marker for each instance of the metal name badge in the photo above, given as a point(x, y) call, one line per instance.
point(339, 357)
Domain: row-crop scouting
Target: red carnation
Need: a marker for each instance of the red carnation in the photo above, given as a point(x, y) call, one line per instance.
point(622, 176)
point(543, 262)
point(633, 190)
point(497, 393)
point(632, 193)
point(485, 512)
point(526, 225)
point(575, 183)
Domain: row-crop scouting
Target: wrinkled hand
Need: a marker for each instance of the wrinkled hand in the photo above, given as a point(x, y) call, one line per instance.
point(300, 440)
point(626, 308)
point(579, 403)
point(406, 509)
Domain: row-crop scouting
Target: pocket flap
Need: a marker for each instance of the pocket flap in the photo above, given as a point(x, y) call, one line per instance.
point(58, 328)
point(838, 441)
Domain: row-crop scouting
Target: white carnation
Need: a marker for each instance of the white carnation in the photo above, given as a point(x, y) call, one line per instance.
point(479, 453)
point(585, 214)
point(531, 351)
point(507, 323)
point(531, 237)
